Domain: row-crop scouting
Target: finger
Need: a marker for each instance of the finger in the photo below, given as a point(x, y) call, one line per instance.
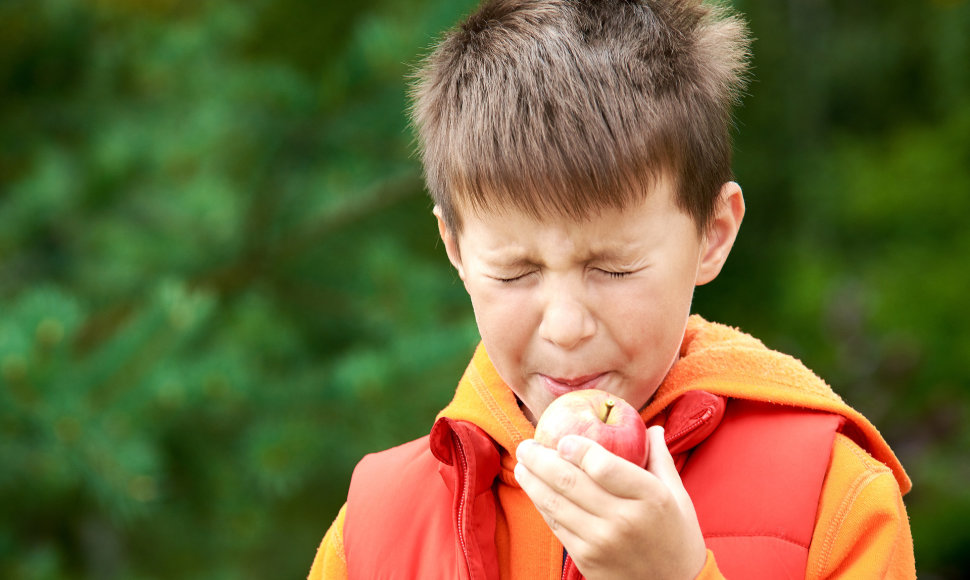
point(572, 524)
point(561, 514)
point(661, 464)
point(659, 461)
point(615, 475)
point(553, 470)
point(561, 476)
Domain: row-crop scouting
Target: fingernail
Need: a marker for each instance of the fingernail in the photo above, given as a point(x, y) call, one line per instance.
point(568, 447)
point(517, 472)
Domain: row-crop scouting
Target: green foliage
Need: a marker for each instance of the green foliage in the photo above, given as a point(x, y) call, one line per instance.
point(854, 151)
point(220, 283)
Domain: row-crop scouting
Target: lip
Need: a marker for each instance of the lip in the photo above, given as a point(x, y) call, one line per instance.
point(560, 386)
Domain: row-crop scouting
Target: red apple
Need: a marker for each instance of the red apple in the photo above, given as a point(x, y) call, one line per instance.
point(598, 415)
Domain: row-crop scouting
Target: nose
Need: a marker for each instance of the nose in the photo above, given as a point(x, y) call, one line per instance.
point(566, 320)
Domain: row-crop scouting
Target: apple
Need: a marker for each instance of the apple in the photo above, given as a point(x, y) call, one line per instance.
point(597, 415)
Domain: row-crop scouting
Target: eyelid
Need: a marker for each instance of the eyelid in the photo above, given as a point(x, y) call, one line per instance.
point(511, 279)
point(616, 271)
point(615, 274)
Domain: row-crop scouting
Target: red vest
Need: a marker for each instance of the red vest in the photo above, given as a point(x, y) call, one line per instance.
point(754, 471)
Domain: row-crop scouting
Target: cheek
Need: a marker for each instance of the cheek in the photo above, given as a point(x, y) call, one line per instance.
point(502, 319)
point(648, 321)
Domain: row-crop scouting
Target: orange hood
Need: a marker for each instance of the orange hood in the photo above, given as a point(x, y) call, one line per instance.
point(713, 358)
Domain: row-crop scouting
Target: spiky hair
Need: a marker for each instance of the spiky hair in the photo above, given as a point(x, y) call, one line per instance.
point(571, 106)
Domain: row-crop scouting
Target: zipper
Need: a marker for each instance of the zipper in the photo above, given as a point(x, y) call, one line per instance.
point(698, 420)
point(463, 500)
point(567, 566)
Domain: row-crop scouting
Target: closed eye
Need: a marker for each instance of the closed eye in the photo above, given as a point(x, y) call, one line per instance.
point(512, 279)
point(614, 274)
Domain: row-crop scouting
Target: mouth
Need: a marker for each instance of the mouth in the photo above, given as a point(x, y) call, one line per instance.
point(561, 385)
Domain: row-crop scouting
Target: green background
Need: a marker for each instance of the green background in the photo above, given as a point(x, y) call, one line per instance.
point(220, 283)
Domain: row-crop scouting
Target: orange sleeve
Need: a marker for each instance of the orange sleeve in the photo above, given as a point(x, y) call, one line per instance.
point(710, 571)
point(331, 562)
point(862, 530)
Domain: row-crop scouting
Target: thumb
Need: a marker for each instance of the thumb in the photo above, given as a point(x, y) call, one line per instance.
point(659, 461)
point(661, 464)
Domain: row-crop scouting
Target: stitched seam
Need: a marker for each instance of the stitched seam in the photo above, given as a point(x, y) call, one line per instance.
point(901, 515)
point(867, 460)
point(861, 482)
point(771, 536)
point(478, 383)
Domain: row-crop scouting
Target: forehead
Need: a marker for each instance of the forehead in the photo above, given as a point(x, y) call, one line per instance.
point(512, 233)
point(547, 196)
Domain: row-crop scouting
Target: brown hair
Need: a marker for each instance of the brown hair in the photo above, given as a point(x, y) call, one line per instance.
point(571, 106)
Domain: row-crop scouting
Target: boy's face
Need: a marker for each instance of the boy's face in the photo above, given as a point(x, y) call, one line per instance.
point(603, 303)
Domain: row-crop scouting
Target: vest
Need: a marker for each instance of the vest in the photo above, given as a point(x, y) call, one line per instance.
point(754, 472)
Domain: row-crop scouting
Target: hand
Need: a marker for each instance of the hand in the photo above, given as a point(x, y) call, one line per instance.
point(615, 519)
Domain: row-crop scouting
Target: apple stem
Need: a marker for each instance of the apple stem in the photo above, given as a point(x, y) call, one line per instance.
point(609, 408)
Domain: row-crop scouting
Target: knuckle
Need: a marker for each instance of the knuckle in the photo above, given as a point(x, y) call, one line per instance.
point(550, 504)
point(598, 467)
point(584, 552)
point(667, 503)
point(595, 551)
point(624, 524)
point(654, 503)
point(565, 480)
point(600, 538)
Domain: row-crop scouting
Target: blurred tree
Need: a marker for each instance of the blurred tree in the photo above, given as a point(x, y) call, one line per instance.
point(219, 279)
point(220, 283)
point(854, 151)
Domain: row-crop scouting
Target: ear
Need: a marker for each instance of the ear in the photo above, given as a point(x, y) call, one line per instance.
point(451, 243)
point(720, 236)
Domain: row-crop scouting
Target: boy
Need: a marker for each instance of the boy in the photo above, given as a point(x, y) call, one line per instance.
point(578, 155)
